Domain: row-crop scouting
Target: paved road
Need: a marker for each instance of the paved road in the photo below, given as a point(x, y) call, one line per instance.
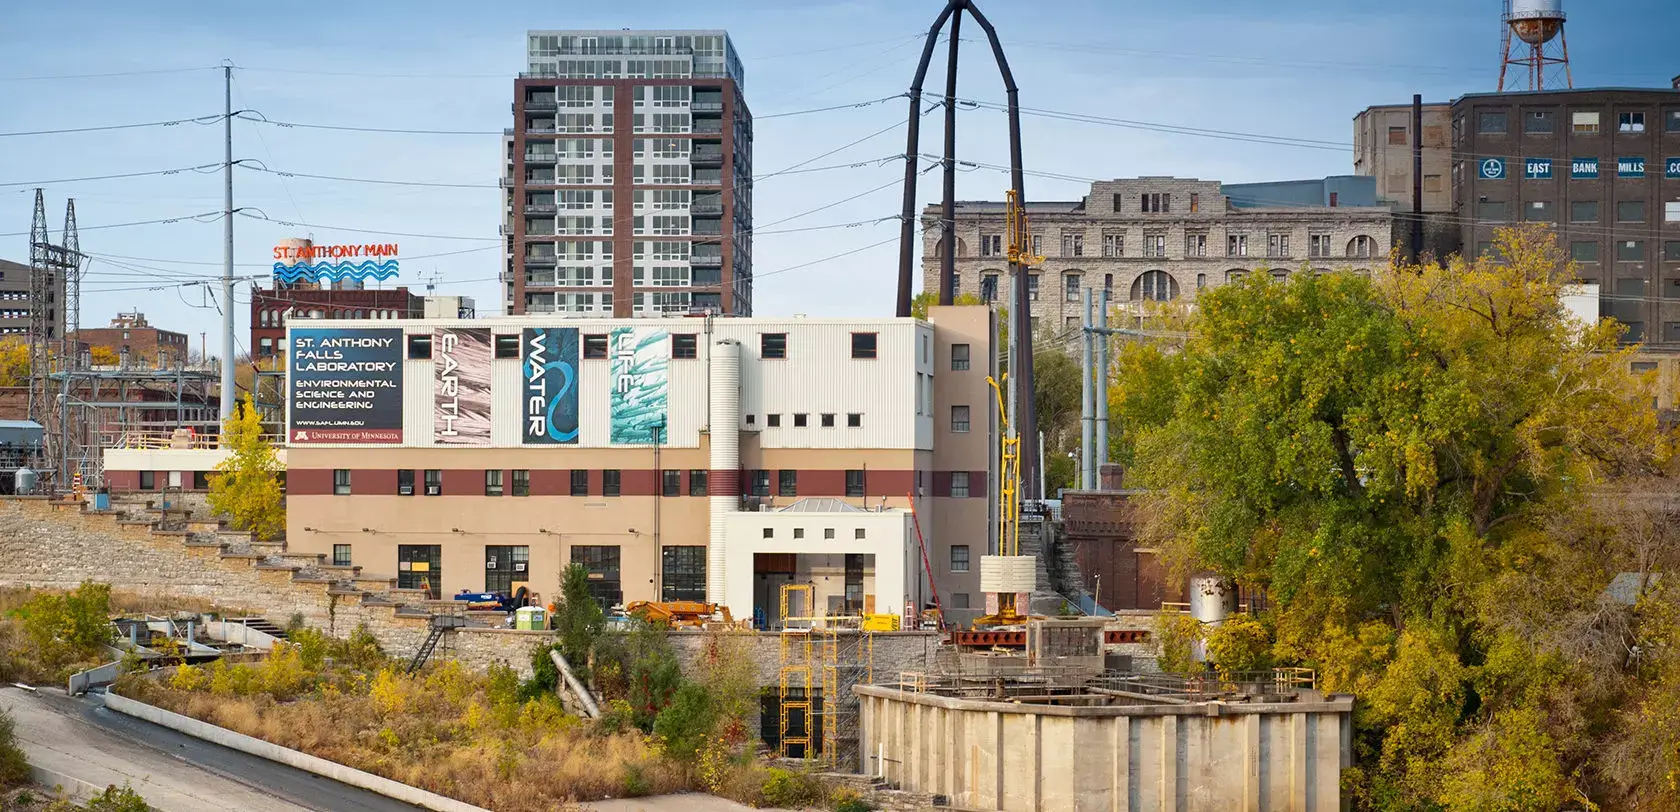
point(79, 738)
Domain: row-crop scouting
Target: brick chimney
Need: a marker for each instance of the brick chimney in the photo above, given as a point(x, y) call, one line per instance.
point(1111, 476)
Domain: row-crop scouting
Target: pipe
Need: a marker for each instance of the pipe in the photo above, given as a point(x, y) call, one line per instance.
point(723, 485)
point(1087, 406)
point(1100, 340)
point(947, 220)
point(572, 683)
point(908, 219)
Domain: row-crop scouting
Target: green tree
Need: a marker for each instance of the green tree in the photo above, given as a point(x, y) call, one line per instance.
point(246, 486)
point(578, 619)
point(927, 298)
point(1385, 458)
point(685, 723)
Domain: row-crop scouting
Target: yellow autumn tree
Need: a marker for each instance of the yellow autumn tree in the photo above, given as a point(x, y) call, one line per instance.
point(14, 362)
point(246, 485)
point(102, 356)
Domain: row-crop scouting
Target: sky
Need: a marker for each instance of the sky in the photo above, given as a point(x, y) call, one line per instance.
point(1299, 69)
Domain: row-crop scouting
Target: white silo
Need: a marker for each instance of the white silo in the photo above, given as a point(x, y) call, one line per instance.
point(296, 252)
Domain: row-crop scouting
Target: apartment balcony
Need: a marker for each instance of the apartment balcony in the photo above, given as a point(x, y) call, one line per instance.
point(540, 157)
point(706, 260)
point(708, 126)
point(535, 130)
point(706, 106)
point(706, 209)
point(539, 105)
point(541, 208)
point(708, 178)
point(540, 260)
point(505, 183)
point(706, 157)
point(540, 180)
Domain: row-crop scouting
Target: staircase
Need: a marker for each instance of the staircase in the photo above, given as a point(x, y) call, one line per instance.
point(260, 624)
point(1059, 581)
point(441, 624)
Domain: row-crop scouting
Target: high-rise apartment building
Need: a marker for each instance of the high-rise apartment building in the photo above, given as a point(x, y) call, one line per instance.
point(629, 171)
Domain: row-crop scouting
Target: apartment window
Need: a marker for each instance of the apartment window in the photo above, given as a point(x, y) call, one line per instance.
point(493, 482)
point(959, 419)
point(341, 481)
point(419, 346)
point(1584, 122)
point(1032, 287)
point(854, 420)
point(773, 420)
point(507, 346)
point(772, 345)
point(1671, 251)
point(1630, 123)
point(989, 287)
point(521, 484)
point(697, 482)
point(1671, 120)
point(1583, 251)
point(1630, 211)
point(854, 483)
point(1539, 122)
point(1236, 245)
point(1277, 245)
point(758, 481)
point(1492, 123)
point(863, 345)
point(1156, 203)
point(1073, 245)
point(683, 573)
point(1361, 247)
point(1070, 286)
point(959, 484)
point(685, 345)
point(1195, 245)
point(1318, 245)
point(595, 347)
point(991, 245)
point(959, 558)
point(405, 482)
point(341, 555)
point(1494, 210)
point(787, 482)
point(1630, 250)
point(959, 357)
point(1114, 245)
point(611, 482)
point(1583, 211)
point(434, 482)
point(580, 482)
point(1397, 136)
point(1538, 211)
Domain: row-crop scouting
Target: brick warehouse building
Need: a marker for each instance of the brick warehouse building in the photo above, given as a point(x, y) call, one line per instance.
point(137, 343)
point(621, 176)
point(689, 458)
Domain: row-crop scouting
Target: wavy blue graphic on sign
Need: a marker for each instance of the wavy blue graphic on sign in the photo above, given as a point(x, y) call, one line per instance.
point(549, 406)
point(331, 271)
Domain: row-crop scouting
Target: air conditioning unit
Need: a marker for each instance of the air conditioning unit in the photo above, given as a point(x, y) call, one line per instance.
point(434, 490)
point(405, 490)
point(490, 564)
point(518, 566)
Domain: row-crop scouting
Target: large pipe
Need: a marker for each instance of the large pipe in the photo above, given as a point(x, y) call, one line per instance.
point(1100, 340)
point(908, 220)
point(723, 483)
point(947, 220)
point(1087, 404)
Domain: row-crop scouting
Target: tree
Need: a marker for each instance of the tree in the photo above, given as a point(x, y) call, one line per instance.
point(246, 486)
point(103, 356)
point(14, 362)
point(1388, 459)
point(578, 619)
point(927, 298)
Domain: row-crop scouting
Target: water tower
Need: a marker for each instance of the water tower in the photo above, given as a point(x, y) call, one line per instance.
point(1534, 40)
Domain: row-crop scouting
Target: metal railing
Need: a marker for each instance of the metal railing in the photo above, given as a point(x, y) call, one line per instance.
point(153, 440)
point(706, 106)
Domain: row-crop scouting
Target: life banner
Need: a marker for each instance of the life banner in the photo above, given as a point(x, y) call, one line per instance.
point(345, 387)
point(641, 363)
point(461, 363)
point(548, 370)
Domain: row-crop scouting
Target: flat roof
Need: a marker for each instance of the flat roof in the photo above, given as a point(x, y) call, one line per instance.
point(1663, 91)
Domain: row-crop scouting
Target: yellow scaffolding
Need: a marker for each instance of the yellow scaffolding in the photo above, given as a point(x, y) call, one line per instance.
point(799, 662)
point(833, 653)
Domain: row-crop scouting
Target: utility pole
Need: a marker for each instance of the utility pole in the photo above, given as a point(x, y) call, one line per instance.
point(1417, 178)
point(227, 239)
point(948, 226)
point(1087, 401)
point(1100, 339)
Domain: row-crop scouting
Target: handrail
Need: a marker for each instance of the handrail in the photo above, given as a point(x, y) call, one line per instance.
point(168, 440)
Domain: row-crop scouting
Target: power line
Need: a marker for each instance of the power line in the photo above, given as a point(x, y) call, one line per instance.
point(105, 127)
point(214, 215)
point(152, 173)
point(109, 75)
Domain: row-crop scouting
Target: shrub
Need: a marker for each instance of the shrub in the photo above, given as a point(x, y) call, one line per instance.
point(635, 781)
point(117, 799)
point(545, 675)
point(790, 790)
point(1239, 644)
point(685, 724)
point(387, 692)
point(189, 678)
point(1176, 634)
point(14, 768)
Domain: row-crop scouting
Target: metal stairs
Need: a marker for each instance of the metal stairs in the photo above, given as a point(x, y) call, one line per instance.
point(441, 624)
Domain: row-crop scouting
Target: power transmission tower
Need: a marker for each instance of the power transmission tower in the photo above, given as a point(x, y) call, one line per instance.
point(54, 292)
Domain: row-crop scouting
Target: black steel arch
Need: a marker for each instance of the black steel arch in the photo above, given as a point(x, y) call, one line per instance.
point(1025, 417)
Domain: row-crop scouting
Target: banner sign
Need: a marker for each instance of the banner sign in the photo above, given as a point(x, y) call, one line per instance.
point(1493, 169)
point(549, 365)
point(1537, 169)
point(1584, 169)
point(1673, 170)
point(1630, 167)
point(328, 263)
point(641, 362)
point(346, 386)
point(461, 361)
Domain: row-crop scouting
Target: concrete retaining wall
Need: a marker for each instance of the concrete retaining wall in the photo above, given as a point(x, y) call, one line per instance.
point(1183, 758)
point(274, 752)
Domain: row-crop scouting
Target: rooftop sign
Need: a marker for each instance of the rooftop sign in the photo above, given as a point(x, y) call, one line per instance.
point(329, 263)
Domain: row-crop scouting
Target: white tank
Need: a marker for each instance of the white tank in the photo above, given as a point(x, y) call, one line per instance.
point(299, 248)
point(725, 462)
point(24, 482)
point(1212, 599)
point(1536, 21)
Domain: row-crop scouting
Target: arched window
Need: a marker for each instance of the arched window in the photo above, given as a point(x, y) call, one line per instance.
point(1108, 284)
point(262, 318)
point(1360, 246)
point(1201, 281)
point(1235, 275)
point(989, 286)
point(1280, 275)
point(1156, 286)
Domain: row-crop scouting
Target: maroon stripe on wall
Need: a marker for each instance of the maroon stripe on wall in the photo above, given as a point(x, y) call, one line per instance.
point(462, 482)
point(373, 481)
point(893, 484)
point(551, 483)
point(637, 483)
point(311, 481)
point(122, 480)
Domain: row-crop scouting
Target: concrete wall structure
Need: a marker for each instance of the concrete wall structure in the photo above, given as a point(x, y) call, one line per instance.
point(1019, 757)
point(1382, 150)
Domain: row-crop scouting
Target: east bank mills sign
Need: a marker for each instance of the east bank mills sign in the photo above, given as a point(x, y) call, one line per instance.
point(335, 263)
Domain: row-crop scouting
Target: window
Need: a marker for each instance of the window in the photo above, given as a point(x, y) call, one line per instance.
point(1494, 210)
point(493, 482)
point(989, 287)
point(683, 573)
point(773, 420)
point(1631, 123)
point(504, 566)
point(419, 347)
point(863, 345)
point(1114, 245)
point(1195, 202)
point(828, 420)
point(1154, 245)
point(1671, 251)
point(1201, 281)
point(1361, 247)
point(1236, 245)
point(787, 482)
point(959, 484)
point(772, 345)
point(959, 558)
point(1538, 211)
point(148, 480)
point(580, 482)
point(1584, 123)
point(685, 345)
point(420, 566)
point(1630, 250)
point(1155, 286)
point(799, 532)
point(769, 532)
point(405, 482)
point(1671, 211)
point(959, 357)
point(1073, 245)
point(611, 482)
point(854, 420)
point(434, 482)
point(1583, 211)
point(1630, 211)
point(1032, 287)
point(341, 555)
point(855, 483)
point(859, 533)
point(1195, 245)
point(991, 245)
point(507, 346)
point(1492, 123)
point(1396, 136)
point(758, 482)
point(1671, 120)
point(1277, 245)
point(341, 481)
point(1583, 251)
point(602, 565)
point(521, 484)
point(670, 483)
point(1318, 245)
point(1671, 331)
point(595, 347)
point(959, 419)
point(1539, 122)
point(697, 482)
point(1156, 203)
point(800, 419)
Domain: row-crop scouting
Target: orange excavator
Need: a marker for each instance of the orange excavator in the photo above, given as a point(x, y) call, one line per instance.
point(678, 614)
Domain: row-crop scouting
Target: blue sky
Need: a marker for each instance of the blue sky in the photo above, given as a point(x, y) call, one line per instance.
point(1294, 68)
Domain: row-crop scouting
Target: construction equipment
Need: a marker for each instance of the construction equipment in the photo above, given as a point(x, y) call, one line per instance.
point(1008, 577)
point(880, 623)
point(679, 614)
